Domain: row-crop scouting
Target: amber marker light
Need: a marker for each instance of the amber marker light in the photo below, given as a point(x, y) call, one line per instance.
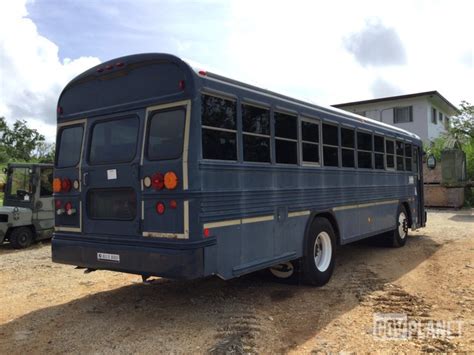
point(57, 185)
point(171, 180)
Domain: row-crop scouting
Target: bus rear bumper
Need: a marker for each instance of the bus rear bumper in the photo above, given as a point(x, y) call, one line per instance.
point(173, 262)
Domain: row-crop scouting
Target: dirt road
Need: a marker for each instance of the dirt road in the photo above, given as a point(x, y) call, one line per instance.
point(51, 308)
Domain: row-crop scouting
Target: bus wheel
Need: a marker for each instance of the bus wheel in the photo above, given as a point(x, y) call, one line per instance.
point(400, 234)
point(285, 271)
point(319, 253)
point(21, 237)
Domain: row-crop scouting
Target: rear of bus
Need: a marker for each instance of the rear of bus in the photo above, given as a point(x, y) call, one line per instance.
point(121, 184)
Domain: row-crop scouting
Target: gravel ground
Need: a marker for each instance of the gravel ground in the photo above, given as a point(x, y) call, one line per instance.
point(52, 308)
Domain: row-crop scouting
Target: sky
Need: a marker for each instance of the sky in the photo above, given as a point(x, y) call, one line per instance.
point(325, 52)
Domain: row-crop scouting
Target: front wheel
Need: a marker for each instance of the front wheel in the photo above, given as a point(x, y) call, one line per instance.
point(21, 237)
point(319, 254)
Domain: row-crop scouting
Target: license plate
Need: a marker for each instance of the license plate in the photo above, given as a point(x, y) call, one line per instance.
point(108, 257)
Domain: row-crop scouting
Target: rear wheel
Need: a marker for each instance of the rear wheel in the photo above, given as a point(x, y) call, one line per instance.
point(21, 237)
point(319, 253)
point(400, 234)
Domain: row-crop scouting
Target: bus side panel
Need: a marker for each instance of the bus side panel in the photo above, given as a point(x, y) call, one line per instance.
point(348, 221)
point(257, 241)
point(292, 235)
point(228, 249)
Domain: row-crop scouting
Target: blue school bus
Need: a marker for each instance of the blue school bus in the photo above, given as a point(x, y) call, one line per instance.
point(165, 170)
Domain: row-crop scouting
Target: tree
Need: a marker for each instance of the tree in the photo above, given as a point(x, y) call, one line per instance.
point(44, 152)
point(461, 130)
point(20, 142)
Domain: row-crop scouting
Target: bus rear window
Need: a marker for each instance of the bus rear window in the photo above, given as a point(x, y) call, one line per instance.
point(114, 141)
point(70, 144)
point(166, 131)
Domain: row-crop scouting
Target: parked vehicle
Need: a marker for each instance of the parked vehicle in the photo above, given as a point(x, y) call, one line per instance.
point(165, 170)
point(27, 213)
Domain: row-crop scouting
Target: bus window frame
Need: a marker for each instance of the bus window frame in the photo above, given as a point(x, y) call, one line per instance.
point(105, 120)
point(60, 129)
point(229, 97)
point(339, 162)
point(390, 139)
point(262, 106)
point(366, 131)
point(287, 112)
point(354, 149)
point(313, 120)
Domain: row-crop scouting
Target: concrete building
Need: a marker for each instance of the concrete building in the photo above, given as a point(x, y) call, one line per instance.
point(426, 114)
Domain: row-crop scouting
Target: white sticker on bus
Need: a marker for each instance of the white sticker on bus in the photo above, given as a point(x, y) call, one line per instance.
point(108, 257)
point(112, 174)
point(411, 180)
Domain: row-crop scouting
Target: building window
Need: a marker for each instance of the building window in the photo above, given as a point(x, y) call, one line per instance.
point(364, 150)
point(256, 133)
point(440, 117)
point(379, 149)
point(330, 145)
point(390, 156)
point(286, 138)
point(433, 116)
point(403, 114)
point(219, 128)
point(446, 123)
point(310, 141)
point(348, 147)
point(400, 150)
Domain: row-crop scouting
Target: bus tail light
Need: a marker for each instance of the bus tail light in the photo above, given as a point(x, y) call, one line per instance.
point(57, 204)
point(160, 208)
point(207, 233)
point(182, 84)
point(69, 209)
point(157, 181)
point(65, 185)
point(171, 180)
point(57, 185)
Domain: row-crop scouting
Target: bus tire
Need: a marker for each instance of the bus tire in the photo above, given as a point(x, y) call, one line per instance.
point(400, 234)
point(319, 253)
point(21, 237)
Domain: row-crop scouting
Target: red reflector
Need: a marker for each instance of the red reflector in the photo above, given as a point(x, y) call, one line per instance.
point(173, 204)
point(160, 208)
point(157, 181)
point(207, 232)
point(202, 72)
point(110, 66)
point(57, 204)
point(59, 110)
point(120, 64)
point(68, 206)
point(65, 185)
point(182, 84)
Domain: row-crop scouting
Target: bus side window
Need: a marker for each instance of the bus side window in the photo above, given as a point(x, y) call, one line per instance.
point(286, 138)
point(364, 150)
point(330, 145)
point(348, 147)
point(400, 150)
point(379, 148)
point(408, 155)
point(219, 128)
point(256, 133)
point(310, 141)
point(390, 149)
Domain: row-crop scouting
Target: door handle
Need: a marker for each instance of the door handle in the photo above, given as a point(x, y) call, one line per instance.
point(84, 178)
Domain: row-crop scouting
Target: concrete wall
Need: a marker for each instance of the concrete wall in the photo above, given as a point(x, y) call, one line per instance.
point(421, 125)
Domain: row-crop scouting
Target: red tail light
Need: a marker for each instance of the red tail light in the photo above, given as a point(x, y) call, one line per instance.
point(158, 181)
point(57, 204)
point(160, 208)
point(207, 233)
point(65, 185)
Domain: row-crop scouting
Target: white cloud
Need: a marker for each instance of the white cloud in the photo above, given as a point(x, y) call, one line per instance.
point(31, 74)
